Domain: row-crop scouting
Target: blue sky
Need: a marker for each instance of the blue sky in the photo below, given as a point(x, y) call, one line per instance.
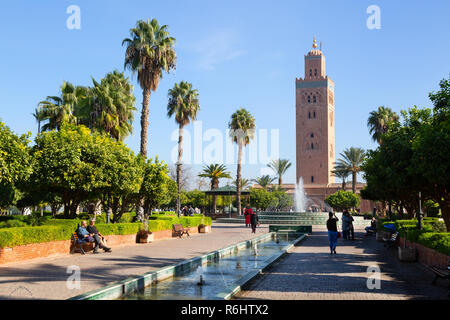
point(237, 54)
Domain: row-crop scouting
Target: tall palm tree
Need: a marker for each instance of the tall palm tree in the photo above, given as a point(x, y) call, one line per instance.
point(215, 172)
point(264, 181)
point(352, 159)
point(241, 125)
point(379, 122)
point(184, 105)
point(342, 172)
point(149, 52)
point(111, 105)
point(279, 167)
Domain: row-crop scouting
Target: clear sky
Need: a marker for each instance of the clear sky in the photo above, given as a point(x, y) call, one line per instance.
point(237, 54)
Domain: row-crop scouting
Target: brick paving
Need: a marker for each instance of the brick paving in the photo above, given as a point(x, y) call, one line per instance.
point(45, 278)
point(309, 272)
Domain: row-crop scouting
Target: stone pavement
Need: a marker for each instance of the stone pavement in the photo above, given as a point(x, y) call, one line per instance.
point(309, 272)
point(45, 278)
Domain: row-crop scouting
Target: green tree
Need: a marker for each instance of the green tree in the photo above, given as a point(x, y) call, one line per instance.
point(184, 105)
point(380, 121)
point(149, 52)
point(242, 126)
point(279, 167)
point(262, 199)
point(343, 200)
point(15, 165)
point(352, 159)
point(215, 172)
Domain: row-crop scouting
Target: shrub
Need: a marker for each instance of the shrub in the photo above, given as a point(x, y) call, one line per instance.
point(438, 241)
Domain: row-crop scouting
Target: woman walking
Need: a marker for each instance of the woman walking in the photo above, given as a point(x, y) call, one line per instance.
point(247, 213)
point(254, 221)
point(332, 231)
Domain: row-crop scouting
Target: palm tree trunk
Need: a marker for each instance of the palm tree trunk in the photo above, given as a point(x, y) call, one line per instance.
point(180, 155)
point(144, 121)
point(354, 181)
point(280, 181)
point(343, 184)
point(238, 184)
point(214, 185)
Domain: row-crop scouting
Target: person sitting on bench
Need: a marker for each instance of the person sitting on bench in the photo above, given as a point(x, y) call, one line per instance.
point(372, 227)
point(92, 229)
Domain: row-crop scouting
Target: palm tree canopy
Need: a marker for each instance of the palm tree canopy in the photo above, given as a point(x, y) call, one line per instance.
point(264, 181)
point(149, 52)
point(215, 172)
point(379, 122)
point(242, 125)
point(352, 159)
point(183, 103)
point(279, 166)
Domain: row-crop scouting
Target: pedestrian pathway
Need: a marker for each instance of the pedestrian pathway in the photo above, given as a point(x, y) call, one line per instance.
point(46, 278)
point(309, 272)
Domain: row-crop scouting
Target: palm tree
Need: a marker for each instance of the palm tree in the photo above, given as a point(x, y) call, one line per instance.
point(37, 114)
point(341, 172)
point(59, 109)
point(245, 183)
point(379, 122)
point(215, 172)
point(149, 52)
point(242, 125)
point(111, 105)
point(184, 104)
point(280, 167)
point(264, 181)
point(352, 159)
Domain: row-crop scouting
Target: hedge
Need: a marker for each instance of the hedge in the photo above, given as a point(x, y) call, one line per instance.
point(62, 229)
point(437, 241)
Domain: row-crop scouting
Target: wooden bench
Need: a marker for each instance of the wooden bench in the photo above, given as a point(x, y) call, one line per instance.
point(179, 230)
point(76, 241)
point(440, 273)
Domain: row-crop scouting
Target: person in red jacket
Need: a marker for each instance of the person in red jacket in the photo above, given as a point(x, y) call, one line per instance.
point(247, 212)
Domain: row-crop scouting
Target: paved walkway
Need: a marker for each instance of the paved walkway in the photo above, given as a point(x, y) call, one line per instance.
point(309, 272)
point(45, 278)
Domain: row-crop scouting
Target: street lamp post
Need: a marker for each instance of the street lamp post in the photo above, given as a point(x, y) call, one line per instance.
point(420, 217)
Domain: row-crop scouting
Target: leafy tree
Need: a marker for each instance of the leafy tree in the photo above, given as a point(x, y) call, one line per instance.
point(184, 105)
point(342, 200)
point(380, 121)
point(215, 172)
point(242, 126)
point(149, 52)
point(284, 200)
point(15, 165)
point(279, 167)
point(262, 199)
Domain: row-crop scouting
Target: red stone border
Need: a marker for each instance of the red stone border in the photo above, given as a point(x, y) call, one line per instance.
point(427, 256)
point(58, 248)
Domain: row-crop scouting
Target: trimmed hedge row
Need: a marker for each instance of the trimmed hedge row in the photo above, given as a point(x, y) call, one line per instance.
point(437, 241)
point(62, 229)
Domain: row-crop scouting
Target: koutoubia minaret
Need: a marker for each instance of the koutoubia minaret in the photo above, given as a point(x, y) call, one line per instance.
point(315, 122)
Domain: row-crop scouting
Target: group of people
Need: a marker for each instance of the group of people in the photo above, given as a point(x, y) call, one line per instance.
point(348, 231)
point(90, 234)
point(251, 218)
point(188, 211)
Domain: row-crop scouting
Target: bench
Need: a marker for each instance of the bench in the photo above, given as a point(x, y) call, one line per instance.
point(440, 273)
point(390, 242)
point(76, 241)
point(179, 230)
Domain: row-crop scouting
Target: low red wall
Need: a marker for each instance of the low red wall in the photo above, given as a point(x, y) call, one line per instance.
point(427, 256)
point(57, 248)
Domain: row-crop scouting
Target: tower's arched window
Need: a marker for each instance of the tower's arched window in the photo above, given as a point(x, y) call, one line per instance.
point(315, 72)
point(310, 72)
point(309, 99)
point(314, 99)
point(312, 179)
point(312, 135)
point(309, 115)
point(314, 114)
point(312, 146)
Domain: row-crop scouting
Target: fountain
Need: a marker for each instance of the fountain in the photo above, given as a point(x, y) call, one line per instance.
point(201, 282)
point(255, 249)
point(301, 200)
